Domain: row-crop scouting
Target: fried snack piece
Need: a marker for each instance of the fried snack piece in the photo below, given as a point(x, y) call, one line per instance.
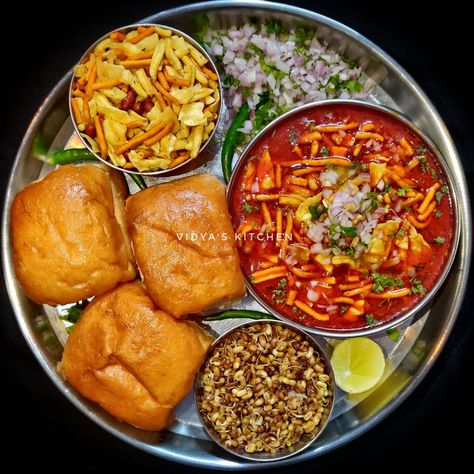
point(68, 234)
point(136, 361)
point(184, 244)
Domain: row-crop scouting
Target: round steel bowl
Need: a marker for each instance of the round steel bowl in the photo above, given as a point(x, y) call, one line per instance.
point(126, 29)
point(416, 310)
point(305, 441)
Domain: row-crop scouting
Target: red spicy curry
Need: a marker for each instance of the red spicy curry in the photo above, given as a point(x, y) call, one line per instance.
point(343, 217)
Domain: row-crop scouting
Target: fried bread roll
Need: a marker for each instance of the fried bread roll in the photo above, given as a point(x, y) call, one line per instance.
point(184, 244)
point(136, 361)
point(68, 235)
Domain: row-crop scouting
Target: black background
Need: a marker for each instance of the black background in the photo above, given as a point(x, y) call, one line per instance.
point(42, 427)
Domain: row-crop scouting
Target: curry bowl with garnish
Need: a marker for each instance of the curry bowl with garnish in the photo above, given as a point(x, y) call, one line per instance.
point(345, 218)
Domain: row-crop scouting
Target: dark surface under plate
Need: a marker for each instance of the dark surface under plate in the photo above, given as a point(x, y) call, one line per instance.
point(39, 421)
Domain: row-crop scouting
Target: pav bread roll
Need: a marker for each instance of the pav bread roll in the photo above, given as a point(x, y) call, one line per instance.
point(68, 234)
point(184, 244)
point(136, 361)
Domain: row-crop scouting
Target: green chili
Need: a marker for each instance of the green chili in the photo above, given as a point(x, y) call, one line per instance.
point(139, 181)
point(239, 314)
point(72, 155)
point(230, 140)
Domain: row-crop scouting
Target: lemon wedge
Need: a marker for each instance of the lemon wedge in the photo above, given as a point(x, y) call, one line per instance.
point(358, 364)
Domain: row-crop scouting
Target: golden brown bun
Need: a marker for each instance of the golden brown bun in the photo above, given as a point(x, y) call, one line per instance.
point(68, 234)
point(185, 276)
point(136, 361)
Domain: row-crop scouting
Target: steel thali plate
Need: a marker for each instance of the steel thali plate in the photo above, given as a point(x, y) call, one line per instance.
point(409, 359)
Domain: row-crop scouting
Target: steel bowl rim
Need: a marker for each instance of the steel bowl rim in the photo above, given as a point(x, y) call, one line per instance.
point(416, 310)
point(316, 345)
point(194, 43)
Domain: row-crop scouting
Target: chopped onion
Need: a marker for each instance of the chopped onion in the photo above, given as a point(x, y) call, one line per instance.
point(312, 296)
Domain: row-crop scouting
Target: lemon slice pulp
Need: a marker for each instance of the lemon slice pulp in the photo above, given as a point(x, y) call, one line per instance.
point(358, 364)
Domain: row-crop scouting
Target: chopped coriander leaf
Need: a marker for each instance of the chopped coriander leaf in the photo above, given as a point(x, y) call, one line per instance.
point(433, 173)
point(201, 25)
point(249, 209)
point(294, 309)
point(444, 189)
point(333, 229)
point(297, 86)
point(343, 309)
point(421, 149)
point(355, 165)
point(270, 68)
point(370, 319)
point(382, 281)
point(439, 196)
point(424, 165)
point(400, 233)
point(353, 86)
point(348, 231)
point(374, 201)
point(255, 49)
point(263, 98)
point(274, 26)
point(387, 188)
point(324, 151)
point(394, 334)
point(439, 240)
point(279, 293)
point(300, 51)
point(263, 116)
point(303, 34)
point(231, 81)
point(349, 251)
point(352, 63)
point(403, 191)
point(317, 211)
point(438, 214)
point(73, 313)
point(292, 137)
point(335, 81)
point(252, 280)
point(417, 287)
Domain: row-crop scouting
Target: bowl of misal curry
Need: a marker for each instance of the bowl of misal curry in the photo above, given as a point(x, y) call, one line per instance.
point(346, 219)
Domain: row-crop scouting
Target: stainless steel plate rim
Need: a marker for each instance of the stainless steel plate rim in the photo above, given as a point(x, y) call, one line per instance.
point(423, 303)
point(127, 28)
point(464, 251)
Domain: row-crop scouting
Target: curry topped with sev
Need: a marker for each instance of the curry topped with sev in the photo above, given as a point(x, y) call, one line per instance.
point(343, 217)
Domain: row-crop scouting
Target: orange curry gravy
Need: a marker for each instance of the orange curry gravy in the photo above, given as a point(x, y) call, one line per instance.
point(344, 217)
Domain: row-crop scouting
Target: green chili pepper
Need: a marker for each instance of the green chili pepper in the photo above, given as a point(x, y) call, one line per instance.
point(39, 150)
point(73, 155)
point(239, 314)
point(231, 139)
point(139, 181)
